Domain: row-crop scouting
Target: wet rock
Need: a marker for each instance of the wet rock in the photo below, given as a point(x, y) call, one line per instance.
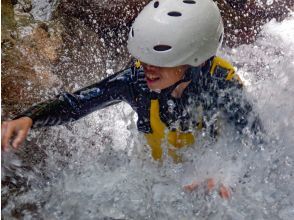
point(243, 18)
point(28, 57)
point(22, 6)
point(83, 59)
point(104, 17)
point(8, 23)
point(96, 33)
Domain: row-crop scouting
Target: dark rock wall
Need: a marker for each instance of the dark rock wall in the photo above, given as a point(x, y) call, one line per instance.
point(30, 49)
point(243, 18)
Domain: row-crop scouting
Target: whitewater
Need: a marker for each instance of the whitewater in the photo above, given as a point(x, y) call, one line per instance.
point(100, 167)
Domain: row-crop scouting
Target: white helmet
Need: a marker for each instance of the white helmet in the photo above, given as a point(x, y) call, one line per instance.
point(171, 33)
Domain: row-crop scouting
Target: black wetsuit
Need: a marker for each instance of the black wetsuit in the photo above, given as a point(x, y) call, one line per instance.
point(212, 92)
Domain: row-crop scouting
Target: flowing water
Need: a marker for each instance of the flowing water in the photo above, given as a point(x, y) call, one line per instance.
point(100, 167)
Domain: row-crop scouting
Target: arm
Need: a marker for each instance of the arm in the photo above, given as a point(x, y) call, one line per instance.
point(68, 107)
point(227, 91)
point(238, 109)
point(72, 106)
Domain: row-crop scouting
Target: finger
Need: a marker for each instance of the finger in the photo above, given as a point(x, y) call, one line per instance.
point(224, 192)
point(7, 133)
point(21, 136)
point(191, 187)
point(210, 184)
point(3, 129)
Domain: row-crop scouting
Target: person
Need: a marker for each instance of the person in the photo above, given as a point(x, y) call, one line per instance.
point(176, 85)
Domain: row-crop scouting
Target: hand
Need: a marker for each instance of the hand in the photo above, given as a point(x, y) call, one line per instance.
point(19, 127)
point(210, 184)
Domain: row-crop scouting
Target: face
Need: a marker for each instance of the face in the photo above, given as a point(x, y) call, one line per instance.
point(159, 78)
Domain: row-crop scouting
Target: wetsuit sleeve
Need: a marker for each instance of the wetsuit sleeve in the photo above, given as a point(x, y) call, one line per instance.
point(237, 108)
point(226, 92)
point(71, 106)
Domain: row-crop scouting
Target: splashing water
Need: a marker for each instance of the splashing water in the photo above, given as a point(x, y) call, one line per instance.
point(100, 167)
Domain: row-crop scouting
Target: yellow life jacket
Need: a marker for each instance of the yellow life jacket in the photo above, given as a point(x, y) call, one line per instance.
point(178, 139)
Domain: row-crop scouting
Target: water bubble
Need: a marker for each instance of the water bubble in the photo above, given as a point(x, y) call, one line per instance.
point(269, 2)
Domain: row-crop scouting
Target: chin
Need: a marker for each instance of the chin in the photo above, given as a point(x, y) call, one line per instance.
point(154, 88)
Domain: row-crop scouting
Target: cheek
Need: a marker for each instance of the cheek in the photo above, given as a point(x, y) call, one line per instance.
point(166, 79)
point(168, 76)
point(173, 77)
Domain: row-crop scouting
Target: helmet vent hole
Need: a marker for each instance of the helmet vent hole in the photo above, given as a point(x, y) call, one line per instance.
point(189, 2)
point(161, 48)
point(196, 60)
point(220, 38)
point(175, 14)
point(132, 31)
point(156, 4)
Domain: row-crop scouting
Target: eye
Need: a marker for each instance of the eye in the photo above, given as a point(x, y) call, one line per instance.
point(189, 2)
point(162, 48)
point(156, 4)
point(175, 14)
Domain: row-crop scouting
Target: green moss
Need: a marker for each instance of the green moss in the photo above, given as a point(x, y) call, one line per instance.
point(7, 16)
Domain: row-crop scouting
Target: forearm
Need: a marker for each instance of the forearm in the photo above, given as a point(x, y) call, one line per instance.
point(72, 106)
point(52, 112)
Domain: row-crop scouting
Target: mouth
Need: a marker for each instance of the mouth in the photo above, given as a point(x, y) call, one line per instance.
point(150, 78)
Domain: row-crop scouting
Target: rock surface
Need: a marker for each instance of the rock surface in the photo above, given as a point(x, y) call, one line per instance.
point(243, 18)
point(30, 49)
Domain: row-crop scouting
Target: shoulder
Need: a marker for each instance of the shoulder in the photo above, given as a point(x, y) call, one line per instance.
point(134, 76)
point(222, 70)
point(135, 72)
